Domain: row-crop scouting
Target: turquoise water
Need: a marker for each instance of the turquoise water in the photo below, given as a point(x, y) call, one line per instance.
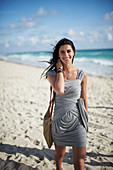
point(94, 62)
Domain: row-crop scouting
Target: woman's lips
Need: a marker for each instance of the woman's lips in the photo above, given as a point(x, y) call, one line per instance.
point(67, 58)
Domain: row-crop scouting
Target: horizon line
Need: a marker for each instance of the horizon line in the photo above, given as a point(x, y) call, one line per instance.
point(51, 51)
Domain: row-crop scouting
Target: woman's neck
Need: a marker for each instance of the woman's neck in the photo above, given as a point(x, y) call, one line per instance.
point(67, 67)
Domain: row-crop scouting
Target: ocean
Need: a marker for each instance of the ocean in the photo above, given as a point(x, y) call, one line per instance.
point(93, 62)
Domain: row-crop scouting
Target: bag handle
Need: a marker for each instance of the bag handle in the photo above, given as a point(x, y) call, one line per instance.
point(51, 103)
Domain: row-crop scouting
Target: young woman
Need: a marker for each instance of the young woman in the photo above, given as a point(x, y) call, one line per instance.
point(69, 83)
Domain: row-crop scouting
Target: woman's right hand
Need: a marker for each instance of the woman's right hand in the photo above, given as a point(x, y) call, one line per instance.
point(59, 64)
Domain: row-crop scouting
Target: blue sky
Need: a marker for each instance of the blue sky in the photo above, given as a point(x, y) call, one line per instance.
point(33, 25)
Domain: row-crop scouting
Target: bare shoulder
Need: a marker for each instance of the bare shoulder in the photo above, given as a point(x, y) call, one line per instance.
point(85, 76)
point(84, 80)
point(51, 78)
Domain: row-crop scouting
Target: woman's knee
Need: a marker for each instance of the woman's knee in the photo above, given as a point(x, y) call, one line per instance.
point(79, 160)
point(59, 154)
point(79, 155)
point(59, 151)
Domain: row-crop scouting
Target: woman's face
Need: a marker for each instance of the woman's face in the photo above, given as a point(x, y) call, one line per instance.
point(66, 53)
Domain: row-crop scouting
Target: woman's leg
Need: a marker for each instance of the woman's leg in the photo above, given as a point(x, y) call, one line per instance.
point(59, 153)
point(78, 157)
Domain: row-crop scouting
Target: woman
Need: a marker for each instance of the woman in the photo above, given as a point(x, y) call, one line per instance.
point(69, 84)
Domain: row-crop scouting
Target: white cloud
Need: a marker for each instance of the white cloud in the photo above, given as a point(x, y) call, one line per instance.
point(94, 35)
point(53, 12)
point(34, 40)
point(110, 37)
point(20, 41)
point(109, 29)
point(47, 39)
point(30, 22)
point(77, 36)
point(82, 33)
point(71, 32)
point(26, 23)
point(24, 19)
point(42, 12)
point(12, 26)
point(7, 45)
point(109, 32)
point(44, 41)
point(109, 17)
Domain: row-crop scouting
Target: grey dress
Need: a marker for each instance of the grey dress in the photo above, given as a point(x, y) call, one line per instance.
point(67, 127)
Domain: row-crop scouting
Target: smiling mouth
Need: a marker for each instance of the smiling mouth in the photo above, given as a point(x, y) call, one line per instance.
point(66, 59)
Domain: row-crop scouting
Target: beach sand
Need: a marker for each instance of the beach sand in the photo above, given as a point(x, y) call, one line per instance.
point(24, 100)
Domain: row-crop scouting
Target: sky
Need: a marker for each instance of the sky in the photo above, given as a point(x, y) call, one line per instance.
point(37, 25)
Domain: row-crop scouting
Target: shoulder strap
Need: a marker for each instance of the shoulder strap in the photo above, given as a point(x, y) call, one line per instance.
point(51, 102)
point(52, 72)
point(80, 74)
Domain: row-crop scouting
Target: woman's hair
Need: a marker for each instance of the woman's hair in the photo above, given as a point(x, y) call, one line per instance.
point(55, 55)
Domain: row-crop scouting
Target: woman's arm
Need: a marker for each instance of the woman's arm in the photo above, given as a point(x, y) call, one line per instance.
point(57, 82)
point(83, 91)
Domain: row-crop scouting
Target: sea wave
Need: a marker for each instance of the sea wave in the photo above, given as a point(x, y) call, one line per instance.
point(31, 59)
point(99, 66)
point(95, 53)
point(103, 62)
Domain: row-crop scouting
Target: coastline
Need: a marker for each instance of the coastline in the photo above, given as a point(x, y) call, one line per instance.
point(43, 68)
point(19, 63)
point(24, 99)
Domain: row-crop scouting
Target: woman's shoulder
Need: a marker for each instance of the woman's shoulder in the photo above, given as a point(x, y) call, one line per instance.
point(81, 74)
point(52, 72)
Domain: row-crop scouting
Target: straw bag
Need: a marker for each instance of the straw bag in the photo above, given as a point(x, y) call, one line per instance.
point(48, 120)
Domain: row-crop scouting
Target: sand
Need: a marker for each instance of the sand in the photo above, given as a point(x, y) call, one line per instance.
point(24, 99)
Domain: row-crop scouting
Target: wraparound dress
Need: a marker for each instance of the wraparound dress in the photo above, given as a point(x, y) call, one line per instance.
point(69, 125)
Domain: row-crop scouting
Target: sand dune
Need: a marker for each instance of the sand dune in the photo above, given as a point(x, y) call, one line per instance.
point(24, 99)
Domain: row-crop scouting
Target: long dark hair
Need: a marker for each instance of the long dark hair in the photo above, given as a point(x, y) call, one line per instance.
point(55, 55)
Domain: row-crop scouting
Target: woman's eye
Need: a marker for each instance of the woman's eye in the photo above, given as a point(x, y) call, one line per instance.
point(68, 51)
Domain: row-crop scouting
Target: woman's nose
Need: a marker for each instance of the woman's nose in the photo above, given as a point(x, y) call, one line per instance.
point(66, 54)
